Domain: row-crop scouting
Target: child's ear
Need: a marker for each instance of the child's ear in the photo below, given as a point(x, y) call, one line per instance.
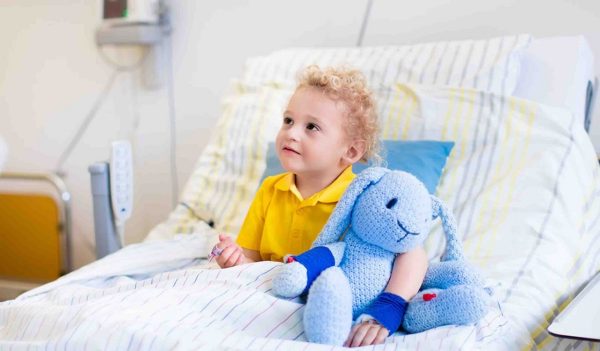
point(355, 152)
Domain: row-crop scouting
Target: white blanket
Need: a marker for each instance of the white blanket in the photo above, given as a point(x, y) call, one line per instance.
point(125, 301)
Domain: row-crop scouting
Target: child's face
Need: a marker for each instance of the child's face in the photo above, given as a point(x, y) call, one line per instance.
point(312, 139)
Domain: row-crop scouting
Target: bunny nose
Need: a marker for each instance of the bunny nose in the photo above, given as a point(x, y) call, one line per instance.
point(391, 203)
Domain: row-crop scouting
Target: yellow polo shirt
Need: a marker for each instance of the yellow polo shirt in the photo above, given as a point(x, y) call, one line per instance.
point(281, 222)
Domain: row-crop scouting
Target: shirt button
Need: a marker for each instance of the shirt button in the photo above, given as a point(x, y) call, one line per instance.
point(299, 211)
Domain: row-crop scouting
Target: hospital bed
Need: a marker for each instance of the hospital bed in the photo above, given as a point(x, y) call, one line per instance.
point(523, 181)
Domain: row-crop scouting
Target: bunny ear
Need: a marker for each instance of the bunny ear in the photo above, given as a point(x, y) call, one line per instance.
point(340, 218)
point(454, 250)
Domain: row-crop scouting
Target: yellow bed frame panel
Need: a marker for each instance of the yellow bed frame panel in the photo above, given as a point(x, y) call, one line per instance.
point(29, 237)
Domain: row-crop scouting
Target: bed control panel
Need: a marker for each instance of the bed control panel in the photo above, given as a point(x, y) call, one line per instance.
point(121, 180)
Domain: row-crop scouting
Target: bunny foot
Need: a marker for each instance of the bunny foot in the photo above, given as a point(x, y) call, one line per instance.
point(443, 275)
point(291, 280)
point(461, 304)
point(328, 311)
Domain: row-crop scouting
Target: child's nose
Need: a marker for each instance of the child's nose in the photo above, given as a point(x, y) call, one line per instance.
point(293, 133)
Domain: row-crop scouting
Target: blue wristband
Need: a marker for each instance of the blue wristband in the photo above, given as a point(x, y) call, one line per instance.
point(388, 309)
point(315, 260)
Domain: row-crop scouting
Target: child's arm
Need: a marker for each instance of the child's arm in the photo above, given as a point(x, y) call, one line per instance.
point(408, 273)
point(406, 279)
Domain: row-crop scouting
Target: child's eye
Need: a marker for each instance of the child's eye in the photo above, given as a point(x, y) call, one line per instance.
point(287, 120)
point(312, 126)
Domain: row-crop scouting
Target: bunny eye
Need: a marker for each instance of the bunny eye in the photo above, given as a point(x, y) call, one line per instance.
point(392, 202)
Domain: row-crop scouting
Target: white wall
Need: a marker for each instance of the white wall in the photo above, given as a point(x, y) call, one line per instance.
point(51, 74)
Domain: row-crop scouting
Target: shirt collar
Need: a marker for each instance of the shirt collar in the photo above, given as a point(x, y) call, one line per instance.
point(332, 193)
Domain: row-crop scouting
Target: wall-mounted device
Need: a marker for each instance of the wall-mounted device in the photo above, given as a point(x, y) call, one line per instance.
point(112, 190)
point(130, 11)
point(137, 22)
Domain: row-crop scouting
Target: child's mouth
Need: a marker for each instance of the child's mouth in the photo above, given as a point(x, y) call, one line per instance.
point(290, 150)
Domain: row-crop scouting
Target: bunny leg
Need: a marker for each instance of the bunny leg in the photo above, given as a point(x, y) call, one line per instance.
point(461, 304)
point(328, 311)
point(445, 274)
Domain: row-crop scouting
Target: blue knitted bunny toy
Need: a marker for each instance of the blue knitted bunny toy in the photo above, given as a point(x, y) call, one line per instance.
point(381, 214)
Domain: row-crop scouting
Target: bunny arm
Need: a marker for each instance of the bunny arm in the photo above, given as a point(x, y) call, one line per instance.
point(297, 276)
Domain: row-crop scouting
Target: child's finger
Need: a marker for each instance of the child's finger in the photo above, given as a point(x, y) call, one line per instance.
point(224, 237)
point(233, 258)
point(381, 335)
point(370, 335)
point(225, 255)
point(351, 335)
point(360, 335)
point(224, 241)
point(240, 260)
point(222, 257)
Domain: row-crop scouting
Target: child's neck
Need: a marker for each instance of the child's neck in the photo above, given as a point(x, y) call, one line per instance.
point(310, 184)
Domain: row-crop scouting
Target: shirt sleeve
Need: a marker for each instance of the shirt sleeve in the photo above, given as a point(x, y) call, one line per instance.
point(251, 232)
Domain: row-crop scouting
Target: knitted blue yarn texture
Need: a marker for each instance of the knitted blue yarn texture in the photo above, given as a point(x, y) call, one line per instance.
point(383, 213)
point(315, 260)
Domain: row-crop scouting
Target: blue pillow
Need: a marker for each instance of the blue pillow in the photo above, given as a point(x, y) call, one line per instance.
point(425, 159)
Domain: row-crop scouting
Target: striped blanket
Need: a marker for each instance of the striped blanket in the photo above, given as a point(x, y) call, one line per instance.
point(126, 302)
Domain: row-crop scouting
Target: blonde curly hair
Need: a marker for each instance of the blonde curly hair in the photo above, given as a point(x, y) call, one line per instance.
point(349, 86)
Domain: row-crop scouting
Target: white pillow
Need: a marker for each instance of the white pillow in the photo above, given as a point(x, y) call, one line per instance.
point(491, 65)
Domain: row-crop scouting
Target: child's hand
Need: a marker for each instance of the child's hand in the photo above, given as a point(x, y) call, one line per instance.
point(232, 254)
point(366, 333)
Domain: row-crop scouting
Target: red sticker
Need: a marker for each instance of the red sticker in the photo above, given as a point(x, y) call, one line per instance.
point(429, 297)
